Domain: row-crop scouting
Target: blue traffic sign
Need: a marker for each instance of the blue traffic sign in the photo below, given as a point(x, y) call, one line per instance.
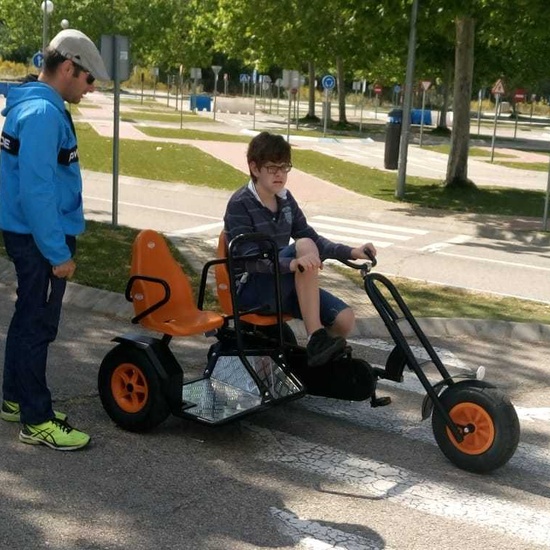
point(328, 82)
point(244, 77)
point(38, 59)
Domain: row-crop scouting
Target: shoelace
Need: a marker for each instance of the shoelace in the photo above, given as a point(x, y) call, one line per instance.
point(62, 425)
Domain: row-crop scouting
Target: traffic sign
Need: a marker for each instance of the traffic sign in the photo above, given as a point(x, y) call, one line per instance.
point(328, 82)
point(520, 95)
point(377, 89)
point(244, 77)
point(38, 59)
point(498, 88)
point(426, 85)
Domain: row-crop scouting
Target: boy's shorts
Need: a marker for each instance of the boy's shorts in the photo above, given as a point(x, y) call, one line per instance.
point(259, 290)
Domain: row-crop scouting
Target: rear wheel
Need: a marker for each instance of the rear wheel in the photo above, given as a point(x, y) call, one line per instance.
point(488, 421)
point(130, 389)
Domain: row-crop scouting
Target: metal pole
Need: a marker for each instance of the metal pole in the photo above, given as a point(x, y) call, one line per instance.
point(215, 93)
point(479, 113)
point(517, 118)
point(497, 105)
point(254, 108)
point(402, 171)
point(116, 130)
point(326, 113)
point(289, 115)
point(44, 25)
point(422, 116)
point(546, 202)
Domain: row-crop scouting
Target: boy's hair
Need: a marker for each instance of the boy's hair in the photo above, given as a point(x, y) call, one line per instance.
point(52, 60)
point(266, 147)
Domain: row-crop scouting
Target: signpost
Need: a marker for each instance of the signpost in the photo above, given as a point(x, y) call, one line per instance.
point(497, 90)
point(328, 82)
point(216, 69)
point(196, 74)
point(425, 87)
point(519, 96)
point(291, 81)
point(38, 59)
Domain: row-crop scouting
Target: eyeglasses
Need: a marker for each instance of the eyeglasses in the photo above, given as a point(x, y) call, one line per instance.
point(274, 168)
point(90, 78)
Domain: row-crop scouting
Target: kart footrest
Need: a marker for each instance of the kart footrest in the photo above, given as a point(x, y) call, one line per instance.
point(379, 401)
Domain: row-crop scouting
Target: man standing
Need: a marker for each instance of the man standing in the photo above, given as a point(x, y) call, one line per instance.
point(40, 215)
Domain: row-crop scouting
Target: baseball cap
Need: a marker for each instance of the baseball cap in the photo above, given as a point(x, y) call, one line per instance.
point(77, 47)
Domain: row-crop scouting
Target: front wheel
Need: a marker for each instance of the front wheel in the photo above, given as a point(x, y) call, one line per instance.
point(488, 421)
point(130, 390)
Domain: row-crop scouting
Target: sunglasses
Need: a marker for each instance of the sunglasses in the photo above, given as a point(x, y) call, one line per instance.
point(90, 78)
point(274, 168)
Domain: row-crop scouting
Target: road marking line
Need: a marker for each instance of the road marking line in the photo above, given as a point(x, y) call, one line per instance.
point(353, 240)
point(196, 229)
point(436, 247)
point(490, 260)
point(313, 535)
point(403, 487)
point(367, 232)
point(146, 207)
point(371, 225)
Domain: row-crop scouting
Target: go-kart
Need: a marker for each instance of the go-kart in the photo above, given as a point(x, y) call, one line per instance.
point(256, 362)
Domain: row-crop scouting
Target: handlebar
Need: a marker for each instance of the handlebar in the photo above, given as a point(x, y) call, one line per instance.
point(365, 266)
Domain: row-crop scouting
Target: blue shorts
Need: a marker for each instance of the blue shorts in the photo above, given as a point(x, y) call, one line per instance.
point(259, 291)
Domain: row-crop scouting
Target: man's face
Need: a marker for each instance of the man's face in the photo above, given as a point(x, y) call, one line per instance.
point(78, 83)
point(271, 176)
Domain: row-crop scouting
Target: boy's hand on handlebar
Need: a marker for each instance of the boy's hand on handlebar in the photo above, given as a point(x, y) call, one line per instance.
point(306, 263)
point(362, 252)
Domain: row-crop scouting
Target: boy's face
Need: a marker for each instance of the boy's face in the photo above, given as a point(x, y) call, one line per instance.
point(272, 176)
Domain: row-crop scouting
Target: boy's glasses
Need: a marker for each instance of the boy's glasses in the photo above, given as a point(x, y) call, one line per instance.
point(274, 168)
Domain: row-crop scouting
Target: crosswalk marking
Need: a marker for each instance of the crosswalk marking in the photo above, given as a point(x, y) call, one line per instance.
point(372, 225)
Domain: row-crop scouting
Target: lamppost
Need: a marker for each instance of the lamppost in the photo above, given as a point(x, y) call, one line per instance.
point(64, 24)
point(47, 9)
point(216, 69)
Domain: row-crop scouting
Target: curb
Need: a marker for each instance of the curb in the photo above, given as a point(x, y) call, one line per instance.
point(114, 304)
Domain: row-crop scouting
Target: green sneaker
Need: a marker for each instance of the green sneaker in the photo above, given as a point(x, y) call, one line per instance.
point(55, 434)
point(10, 412)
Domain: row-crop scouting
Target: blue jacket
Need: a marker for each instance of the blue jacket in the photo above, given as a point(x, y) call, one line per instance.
point(40, 181)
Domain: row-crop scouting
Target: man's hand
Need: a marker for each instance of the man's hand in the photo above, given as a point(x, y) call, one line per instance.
point(360, 254)
point(64, 270)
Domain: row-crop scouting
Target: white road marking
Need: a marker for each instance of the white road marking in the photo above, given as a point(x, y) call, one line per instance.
point(371, 225)
point(403, 487)
point(312, 535)
point(146, 207)
point(490, 260)
point(196, 229)
point(436, 247)
point(367, 232)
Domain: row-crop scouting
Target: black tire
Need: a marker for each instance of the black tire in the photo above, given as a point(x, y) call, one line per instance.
point(494, 423)
point(130, 389)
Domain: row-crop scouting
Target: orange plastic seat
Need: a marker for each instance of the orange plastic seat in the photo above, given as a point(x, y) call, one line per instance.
point(179, 315)
point(224, 294)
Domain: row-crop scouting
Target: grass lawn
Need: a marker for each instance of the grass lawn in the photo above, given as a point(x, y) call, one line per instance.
point(133, 116)
point(474, 151)
point(537, 166)
point(429, 300)
point(156, 161)
point(420, 191)
point(185, 133)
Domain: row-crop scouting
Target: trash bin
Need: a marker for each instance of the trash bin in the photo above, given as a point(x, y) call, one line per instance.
point(418, 114)
point(393, 138)
point(200, 103)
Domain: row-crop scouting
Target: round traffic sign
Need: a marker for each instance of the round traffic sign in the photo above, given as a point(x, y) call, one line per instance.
point(328, 82)
point(377, 89)
point(38, 59)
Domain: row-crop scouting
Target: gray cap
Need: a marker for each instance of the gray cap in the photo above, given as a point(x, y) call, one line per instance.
point(77, 47)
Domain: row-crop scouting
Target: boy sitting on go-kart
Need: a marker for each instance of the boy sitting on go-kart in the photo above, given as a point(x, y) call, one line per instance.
point(265, 206)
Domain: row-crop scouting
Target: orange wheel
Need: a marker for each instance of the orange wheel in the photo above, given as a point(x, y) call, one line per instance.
point(476, 426)
point(129, 388)
point(486, 418)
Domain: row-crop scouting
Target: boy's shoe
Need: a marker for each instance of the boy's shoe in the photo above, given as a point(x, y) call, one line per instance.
point(322, 347)
point(55, 434)
point(10, 412)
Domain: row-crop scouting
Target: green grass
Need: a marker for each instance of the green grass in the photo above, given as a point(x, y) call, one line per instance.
point(474, 151)
point(420, 191)
point(536, 166)
point(133, 116)
point(429, 300)
point(185, 133)
point(103, 258)
point(157, 161)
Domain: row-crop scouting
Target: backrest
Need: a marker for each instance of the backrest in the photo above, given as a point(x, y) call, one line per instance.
point(222, 277)
point(151, 257)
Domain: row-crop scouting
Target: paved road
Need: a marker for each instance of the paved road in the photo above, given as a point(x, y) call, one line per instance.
point(309, 475)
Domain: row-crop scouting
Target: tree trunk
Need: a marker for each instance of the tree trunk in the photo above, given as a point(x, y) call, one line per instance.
point(341, 91)
point(457, 168)
point(442, 125)
point(311, 109)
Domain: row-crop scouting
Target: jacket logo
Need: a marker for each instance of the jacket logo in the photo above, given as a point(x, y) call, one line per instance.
point(9, 144)
point(67, 156)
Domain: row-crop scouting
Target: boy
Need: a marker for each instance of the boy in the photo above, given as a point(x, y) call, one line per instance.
point(265, 206)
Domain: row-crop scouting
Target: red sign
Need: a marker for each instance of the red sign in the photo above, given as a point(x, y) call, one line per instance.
point(520, 95)
point(377, 89)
